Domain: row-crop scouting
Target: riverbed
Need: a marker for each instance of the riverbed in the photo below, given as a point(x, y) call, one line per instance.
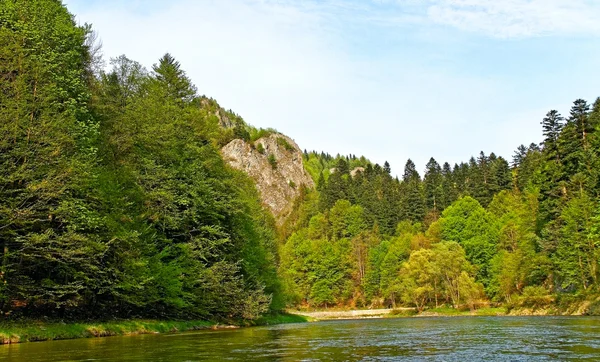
point(409, 339)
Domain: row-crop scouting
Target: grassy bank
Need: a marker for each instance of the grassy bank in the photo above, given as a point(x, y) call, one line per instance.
point(279, 318)
point(33, 331)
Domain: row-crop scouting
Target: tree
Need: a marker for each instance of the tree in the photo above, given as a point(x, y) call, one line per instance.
point(176, 84)
point(470, 225)
point(418, 278)
point(413, 199)
point(552, 125)
point(49, 216)
point(434, 192)
point(577, 252)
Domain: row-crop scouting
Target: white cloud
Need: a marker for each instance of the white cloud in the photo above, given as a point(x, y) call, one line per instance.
point(518, 18)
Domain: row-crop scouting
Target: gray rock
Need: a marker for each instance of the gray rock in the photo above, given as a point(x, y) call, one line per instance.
point(278, 186)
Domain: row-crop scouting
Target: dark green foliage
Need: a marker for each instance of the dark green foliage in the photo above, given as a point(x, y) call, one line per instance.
point(552, 125)
point(114, 200)
point(433, 185)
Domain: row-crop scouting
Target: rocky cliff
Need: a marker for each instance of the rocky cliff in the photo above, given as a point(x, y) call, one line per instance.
point(275, 164)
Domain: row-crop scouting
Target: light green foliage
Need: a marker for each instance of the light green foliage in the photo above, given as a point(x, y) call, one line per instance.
point(258, 133)
point(440, 272)
point(326, 262)
point(577, 253)
point(346, 220)
point(475, 229)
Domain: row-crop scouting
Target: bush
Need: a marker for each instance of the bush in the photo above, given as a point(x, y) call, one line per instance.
point(535, 296)
point(285, 144)
point(272, 161)
point(256, 134)
point(292, 184)
point(260, 148)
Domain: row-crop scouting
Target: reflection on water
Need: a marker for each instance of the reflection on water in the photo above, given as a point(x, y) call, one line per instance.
point(411, 339)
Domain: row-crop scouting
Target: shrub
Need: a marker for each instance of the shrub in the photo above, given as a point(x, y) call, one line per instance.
point(535, 296)
point(260, 148)
point(285, 144)
point(272, 161)
point(255, 134)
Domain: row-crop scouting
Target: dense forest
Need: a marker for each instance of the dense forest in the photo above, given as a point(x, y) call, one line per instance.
point(116, 202)
point(521, 234)
point(114, 199)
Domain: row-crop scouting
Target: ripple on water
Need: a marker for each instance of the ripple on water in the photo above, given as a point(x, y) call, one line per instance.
point(409, 339)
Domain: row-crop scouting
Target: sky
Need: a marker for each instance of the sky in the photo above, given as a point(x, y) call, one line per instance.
point(387, 79)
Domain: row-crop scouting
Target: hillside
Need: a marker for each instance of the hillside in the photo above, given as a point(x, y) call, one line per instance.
point(125, 193)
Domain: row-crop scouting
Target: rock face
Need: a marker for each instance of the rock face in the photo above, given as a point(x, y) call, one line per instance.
point(356, 170)
point(220, 113)
point(275, 164)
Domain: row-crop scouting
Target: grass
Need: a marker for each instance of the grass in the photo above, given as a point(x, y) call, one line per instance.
point(18, 332)
point(395, 313)
point(279, 318)
point(33, 331)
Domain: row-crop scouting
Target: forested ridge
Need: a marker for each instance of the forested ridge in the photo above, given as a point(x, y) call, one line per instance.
point(522, 234)
point(116, 202)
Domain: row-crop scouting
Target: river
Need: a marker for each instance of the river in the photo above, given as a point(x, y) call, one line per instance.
point(409, 339)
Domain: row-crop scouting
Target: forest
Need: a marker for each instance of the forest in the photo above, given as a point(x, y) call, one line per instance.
point(116, 202)
point(524, 234)
point(114, 199)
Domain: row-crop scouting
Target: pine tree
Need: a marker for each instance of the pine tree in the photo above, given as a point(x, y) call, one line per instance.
point(433, 186)
point(500, 176)
point(519, 155)
point(177, 85)
point(552, 125)
point(413, 199)
point(386, 168)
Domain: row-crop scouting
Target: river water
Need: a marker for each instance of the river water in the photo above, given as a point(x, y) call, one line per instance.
point(409, 339)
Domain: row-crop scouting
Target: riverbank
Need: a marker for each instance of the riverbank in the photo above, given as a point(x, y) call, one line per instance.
point(576, 309)
point(35, 331)
point(320, 315)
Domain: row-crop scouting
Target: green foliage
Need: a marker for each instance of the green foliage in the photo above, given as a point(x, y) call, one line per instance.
point(114, 199)
point(441, 271)
point(285, 144)
point(260, 148)
point(272, 161)
point(256, 134)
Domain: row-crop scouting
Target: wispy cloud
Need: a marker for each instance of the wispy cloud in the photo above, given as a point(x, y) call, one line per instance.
point(389, 79)
point(493, 18)
point(518, 18)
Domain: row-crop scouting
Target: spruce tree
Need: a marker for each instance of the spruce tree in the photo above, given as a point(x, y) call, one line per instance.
point(552, 125)
point(177, 85)
point(433, 188)
point(413, 199)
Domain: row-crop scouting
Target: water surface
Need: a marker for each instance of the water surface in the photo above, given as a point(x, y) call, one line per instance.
point(410, 339)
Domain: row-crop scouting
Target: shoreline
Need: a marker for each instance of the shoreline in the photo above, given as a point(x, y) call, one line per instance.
point(325, 315)
point(12, 332)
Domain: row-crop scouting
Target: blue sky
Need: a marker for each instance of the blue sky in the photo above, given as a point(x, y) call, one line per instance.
point(388, 79)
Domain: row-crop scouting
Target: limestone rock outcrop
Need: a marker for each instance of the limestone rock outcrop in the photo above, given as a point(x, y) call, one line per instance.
point(275, 164)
